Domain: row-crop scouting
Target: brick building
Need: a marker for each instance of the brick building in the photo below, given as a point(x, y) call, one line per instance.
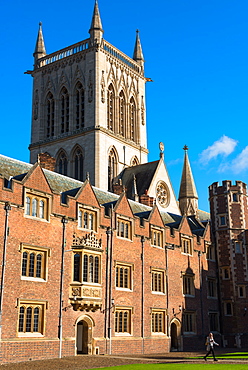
point(97, 255)
point(229, 216)
point(89, 271)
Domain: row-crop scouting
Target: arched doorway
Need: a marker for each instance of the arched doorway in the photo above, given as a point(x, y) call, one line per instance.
point(175, 336)
point(84, 337)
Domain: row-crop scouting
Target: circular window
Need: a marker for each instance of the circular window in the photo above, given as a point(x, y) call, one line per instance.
point(162, 194)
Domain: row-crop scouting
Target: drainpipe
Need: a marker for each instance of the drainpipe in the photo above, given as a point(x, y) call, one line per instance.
point(60, 327)
point(200, 278)
point(143, 294)
point(110, 303)
point(7, 208)
point(106, 310)
point(167, 287)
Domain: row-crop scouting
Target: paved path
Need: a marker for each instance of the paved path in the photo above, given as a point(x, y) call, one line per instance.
point(88, 362)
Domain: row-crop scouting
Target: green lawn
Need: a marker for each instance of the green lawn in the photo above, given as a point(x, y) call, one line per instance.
point(209, 365)
point(233, 356)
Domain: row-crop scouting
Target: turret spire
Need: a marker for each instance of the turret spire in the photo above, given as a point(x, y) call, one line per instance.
point(40, 50)
point(138, 54)
point(96, 30)
point(188, 198)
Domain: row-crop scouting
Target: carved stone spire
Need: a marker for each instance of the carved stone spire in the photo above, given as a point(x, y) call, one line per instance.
point(135, 195)
point(40, 50)
point(188, 198)
point(138, 54)
point(96, 30)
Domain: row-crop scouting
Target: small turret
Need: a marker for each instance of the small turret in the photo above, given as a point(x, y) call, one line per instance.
point(40, 50)
point(138, 54)
point(96, 31)
point(188, 198)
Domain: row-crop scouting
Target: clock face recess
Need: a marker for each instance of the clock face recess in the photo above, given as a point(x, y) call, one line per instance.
point(162, 194)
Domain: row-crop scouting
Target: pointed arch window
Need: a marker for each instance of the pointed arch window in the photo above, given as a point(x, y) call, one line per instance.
point(122, 114)
point(78, 165)
point(62, 164)
point(50, 108)
point(111, 98)
point(79, 106)
point(112, 168)
point(133, 120)
point(64, 101)
point(134, 161)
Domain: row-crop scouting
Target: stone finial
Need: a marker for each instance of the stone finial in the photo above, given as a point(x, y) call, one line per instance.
point(40, 50)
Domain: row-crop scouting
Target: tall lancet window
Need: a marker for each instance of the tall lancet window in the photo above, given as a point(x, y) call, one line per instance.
point(112, 168)
point(79, 106)
point(62, 164)
point(50, 115)
point(133, 119)
point(111, 99)
point(64, 100)
point(78, 165)
point(122, 116)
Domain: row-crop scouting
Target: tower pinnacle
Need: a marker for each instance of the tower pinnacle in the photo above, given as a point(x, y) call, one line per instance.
point(96, 30)
point(138, 54)
point(40, 50)
point(188, 198)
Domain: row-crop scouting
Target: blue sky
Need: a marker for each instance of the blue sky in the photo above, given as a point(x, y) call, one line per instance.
point(195, 52)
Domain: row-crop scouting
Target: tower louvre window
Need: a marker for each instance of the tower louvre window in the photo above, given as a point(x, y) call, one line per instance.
point(78, 165)
point(64, 111)
point(133, 121)
point(112, 168)
point(62, 164)
point(79, 106)
point(111, 98)
point(50, 111)
point(122, 114)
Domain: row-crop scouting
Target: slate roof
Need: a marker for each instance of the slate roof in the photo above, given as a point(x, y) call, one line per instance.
point(60, 184)
point(144, 174)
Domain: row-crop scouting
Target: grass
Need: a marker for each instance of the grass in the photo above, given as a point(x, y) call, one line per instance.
point(226, 356)
point(210, 366)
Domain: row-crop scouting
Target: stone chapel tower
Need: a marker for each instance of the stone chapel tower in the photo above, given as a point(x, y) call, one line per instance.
point(89, 107)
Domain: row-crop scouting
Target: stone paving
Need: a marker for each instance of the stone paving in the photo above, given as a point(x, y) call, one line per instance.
point(89, 362)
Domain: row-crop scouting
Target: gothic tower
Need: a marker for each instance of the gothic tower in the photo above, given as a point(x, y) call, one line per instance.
point(89, 107)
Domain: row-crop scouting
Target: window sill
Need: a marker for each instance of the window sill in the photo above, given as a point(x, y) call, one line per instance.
point(124, 289)
point(30, 278)
point(159, 293)
point(37, 218)
point(159, 334)
point(157, 246)
point(30, 335)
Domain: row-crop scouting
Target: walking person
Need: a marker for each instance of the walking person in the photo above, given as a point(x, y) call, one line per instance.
point(210, 346)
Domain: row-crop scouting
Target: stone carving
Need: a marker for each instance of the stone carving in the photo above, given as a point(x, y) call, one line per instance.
point(76, 291)
point(91, 292)
point(87, 241)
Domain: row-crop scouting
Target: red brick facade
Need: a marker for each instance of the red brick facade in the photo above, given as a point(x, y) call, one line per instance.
point(228, 204)
point(154, 298)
